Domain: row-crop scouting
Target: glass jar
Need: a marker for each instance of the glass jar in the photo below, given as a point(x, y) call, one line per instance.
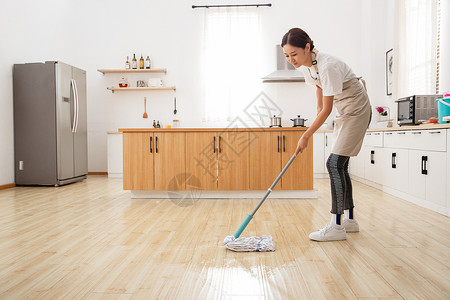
point(123, 82)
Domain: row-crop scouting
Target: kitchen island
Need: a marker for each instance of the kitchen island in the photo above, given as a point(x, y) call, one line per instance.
point(215, 162)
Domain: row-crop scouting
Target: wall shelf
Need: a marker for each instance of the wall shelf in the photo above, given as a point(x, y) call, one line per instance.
point(105, 71)
point(161, 88)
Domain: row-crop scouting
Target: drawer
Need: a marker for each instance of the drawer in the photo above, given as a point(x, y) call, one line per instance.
point(373, 139)
point(427, 140)
point(396, 139)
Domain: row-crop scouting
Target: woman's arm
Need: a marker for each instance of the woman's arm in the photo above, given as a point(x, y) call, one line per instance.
point(327, 102)
point(319, 99)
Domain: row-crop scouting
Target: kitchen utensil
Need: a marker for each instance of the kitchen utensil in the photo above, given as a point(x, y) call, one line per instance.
point(275, 121)
point(175, 104)
point(145, 116)
point(299, 122)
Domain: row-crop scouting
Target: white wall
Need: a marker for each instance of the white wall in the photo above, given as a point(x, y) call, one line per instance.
point(100, 34)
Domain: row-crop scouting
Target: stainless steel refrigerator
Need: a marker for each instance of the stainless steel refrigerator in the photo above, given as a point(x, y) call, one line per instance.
point(50, 123)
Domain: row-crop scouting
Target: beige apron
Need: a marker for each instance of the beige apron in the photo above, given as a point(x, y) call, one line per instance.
point(354, 111)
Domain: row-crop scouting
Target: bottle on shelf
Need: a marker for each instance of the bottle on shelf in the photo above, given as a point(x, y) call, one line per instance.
point(147, 63)
point(127, 63)
point(123, 82)
point(157, 125)
point(141, 62)
point(134, 62)
point(154, 124)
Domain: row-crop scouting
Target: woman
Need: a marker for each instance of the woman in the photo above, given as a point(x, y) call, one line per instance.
point(336, 85)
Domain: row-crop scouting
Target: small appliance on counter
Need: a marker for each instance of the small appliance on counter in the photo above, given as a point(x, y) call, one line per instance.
point(299, 122)
point(275, 121)
point(414, 110)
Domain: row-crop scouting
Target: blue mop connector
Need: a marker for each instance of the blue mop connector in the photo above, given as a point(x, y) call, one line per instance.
point(243, 225)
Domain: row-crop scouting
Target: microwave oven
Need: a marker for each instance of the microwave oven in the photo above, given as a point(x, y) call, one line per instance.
point(414, 110)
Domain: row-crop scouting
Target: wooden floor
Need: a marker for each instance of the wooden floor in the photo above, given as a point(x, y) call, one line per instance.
point(89, 240)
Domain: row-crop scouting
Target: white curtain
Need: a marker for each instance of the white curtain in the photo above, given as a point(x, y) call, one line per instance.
point(417, 47)
point(231, 60)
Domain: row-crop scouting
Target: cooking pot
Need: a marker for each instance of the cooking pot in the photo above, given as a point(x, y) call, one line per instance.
point(299, 122)
point(275, 121)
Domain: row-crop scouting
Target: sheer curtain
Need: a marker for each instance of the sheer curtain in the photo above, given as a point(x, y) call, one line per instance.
point(231, 61)
point(418, 47)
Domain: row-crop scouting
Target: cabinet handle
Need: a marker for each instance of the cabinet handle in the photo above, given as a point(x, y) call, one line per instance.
point(394, 160)
point(372, 157)
point(416, 132)
point(388, 133)
point(151, 148)
point(214, 144)
point(278, 144)
point(326, 141)
point(220, 149)
point(156, 144)
point(376, 133)
point(424, 165)
point(434, 132)
point(284, 143)
point(401, 132)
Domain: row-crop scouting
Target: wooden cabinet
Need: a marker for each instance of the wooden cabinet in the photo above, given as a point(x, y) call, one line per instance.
point(201, 161)
point(151, 161)
point(138, 161)
point(170, 161)
point(299, 175)
point(228, 160)
point(269, 153)
point(218, 159)
point(233, 160)
point(265, 160)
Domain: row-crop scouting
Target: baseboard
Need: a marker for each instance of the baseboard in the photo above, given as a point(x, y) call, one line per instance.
point(7, 186)
point(97, 173)
point(290, 194)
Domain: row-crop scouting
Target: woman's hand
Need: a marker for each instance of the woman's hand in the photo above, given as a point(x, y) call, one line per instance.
point(302, 144)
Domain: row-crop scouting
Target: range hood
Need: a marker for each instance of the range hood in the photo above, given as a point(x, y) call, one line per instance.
point(285, 71)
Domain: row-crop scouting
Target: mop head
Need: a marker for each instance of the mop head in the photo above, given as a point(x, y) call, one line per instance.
point(253, 243)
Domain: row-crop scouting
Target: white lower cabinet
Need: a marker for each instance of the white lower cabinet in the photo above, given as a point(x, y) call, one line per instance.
point(395, 168)
point(411, 164)
point(427, 178)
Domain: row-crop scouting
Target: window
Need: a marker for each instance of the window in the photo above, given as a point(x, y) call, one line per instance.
point(418, 49)
point(231, 60)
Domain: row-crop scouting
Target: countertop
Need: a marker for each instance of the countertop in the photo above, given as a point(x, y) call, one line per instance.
point(417, 127)
point(207, 129)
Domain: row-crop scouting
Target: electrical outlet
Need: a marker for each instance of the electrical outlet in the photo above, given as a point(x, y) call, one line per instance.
point(21, 165)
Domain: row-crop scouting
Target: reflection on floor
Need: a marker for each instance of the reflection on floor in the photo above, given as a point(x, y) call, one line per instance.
point(90, 240)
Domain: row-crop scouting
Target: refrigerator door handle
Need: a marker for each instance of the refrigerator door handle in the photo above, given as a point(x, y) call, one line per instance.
point(77, 105)
point(72, 83)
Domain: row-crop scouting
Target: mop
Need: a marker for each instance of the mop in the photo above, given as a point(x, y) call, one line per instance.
point(254, 243)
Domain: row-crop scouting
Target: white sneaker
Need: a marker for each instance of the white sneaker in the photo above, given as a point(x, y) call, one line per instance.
point(328, 233)
point(350, 225)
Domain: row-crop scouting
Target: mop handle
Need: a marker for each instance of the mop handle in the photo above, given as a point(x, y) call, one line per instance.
point(249, 217)
point(273, 185)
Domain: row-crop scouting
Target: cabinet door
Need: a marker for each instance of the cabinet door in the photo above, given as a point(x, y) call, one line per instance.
point(395, 167)
point(436, 177)
point(299, 176)
point(201, 160)
point(417, 180)
point(138, 161)
point(170, 161)
point(233, 160)
point(319, 153)
point(265, 159)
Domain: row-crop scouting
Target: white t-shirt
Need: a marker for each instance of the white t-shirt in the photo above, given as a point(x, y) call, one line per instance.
point(333, 72)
